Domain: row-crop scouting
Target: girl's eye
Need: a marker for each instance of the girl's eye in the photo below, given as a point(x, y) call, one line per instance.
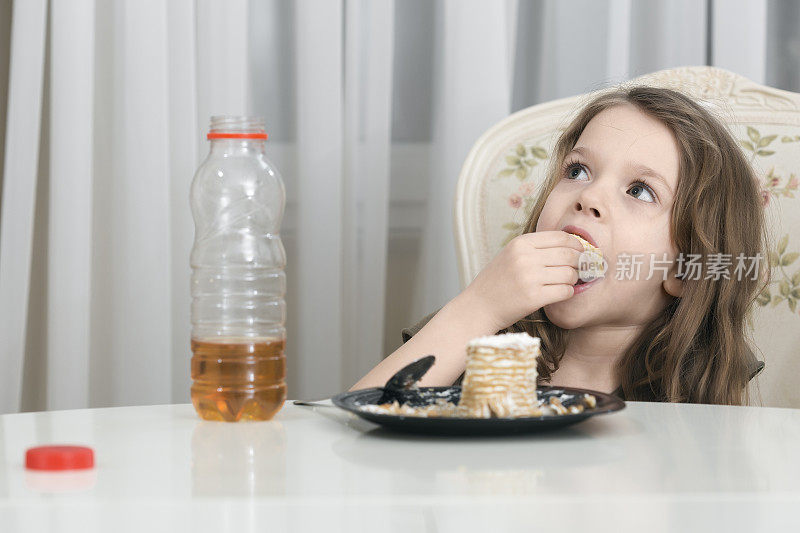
point(640, 189)
point(573, 171)
point(642, 192)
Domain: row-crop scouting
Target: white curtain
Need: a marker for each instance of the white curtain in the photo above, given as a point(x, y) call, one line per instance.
point(371, 107)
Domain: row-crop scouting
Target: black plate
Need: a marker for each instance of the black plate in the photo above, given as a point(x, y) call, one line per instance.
point(352, 401)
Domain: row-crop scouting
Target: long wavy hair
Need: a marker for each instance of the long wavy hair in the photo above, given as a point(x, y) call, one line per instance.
point(696, 350)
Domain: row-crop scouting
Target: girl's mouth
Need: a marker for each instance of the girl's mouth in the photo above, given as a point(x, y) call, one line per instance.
point(584, 285)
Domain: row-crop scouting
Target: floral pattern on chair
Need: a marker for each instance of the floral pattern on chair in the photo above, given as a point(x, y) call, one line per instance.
point(773, 185)
point(520, 162)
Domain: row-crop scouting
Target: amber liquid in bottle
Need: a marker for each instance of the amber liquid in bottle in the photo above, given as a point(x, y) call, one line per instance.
point(238, 379)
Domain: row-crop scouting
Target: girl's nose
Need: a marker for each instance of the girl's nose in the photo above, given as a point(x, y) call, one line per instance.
point(590, 201)
point(581, 205)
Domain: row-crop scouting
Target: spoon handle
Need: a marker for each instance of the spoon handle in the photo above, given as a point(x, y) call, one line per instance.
point(310, 403)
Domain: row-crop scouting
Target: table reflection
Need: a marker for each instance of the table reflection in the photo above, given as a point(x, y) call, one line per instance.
point(245, 459)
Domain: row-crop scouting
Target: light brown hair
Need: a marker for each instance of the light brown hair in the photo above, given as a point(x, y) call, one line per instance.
point(696, 350)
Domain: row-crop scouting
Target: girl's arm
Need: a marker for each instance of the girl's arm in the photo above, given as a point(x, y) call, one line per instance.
point(532, 270)
point(446, 336)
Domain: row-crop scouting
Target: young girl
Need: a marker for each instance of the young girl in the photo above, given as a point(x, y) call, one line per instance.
point(645, 173)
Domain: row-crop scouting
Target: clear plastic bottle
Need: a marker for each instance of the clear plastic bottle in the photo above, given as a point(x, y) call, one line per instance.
point(238, 280)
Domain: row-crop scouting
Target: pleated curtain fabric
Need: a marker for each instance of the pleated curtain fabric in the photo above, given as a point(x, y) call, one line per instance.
point(107, 108)
point(125, 90)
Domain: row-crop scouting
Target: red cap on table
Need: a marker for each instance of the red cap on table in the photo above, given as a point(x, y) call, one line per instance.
point(59, 458)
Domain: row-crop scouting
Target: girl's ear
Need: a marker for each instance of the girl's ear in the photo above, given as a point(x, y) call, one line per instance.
point(673, 285)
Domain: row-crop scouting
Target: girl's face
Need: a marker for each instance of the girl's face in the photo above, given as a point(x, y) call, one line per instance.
point(625, 209)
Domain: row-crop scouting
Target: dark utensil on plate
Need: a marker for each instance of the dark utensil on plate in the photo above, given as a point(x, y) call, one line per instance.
point(404, 379)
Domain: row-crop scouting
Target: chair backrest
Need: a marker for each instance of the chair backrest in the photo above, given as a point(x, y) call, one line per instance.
point(501, 174)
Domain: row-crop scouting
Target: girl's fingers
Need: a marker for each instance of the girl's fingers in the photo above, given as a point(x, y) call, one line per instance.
point(551, 239)
point(556, 293)
point(554, 275)
point(560, 257)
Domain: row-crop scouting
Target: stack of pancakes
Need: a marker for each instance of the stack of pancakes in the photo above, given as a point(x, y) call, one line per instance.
point(500, 377)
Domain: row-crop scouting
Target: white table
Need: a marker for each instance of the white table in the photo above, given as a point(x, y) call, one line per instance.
point(653, 467)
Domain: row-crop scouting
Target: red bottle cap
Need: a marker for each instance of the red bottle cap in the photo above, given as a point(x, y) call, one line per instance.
point(59, 458)
point(222, 135)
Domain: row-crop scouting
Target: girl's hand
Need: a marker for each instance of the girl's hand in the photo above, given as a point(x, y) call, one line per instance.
point(531, 271)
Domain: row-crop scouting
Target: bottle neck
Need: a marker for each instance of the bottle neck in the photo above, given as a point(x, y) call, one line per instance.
point(223, 147)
